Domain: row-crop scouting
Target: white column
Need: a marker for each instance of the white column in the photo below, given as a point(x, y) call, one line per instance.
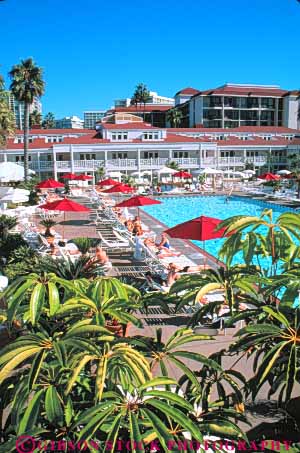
point(170, 154)
point(105, 161)
point(71, 158)
point(200, 155)
point(39, 164)
point(223, 113)
point(269, 159)
point(139, 162)
point(54, 163)
point(217, 156)
point(5, 157)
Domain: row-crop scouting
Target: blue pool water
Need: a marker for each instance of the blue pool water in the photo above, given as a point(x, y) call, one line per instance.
point(176, 210)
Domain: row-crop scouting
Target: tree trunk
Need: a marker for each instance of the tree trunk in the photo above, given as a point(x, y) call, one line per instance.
point(26, 131)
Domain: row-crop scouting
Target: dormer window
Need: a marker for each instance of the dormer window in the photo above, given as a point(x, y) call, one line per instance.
point(54, 139)
point(150, 136)
point(119, 136)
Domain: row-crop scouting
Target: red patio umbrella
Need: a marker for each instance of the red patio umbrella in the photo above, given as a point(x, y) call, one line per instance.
point(64, 205)
point(68, 176)
point(199, 229)
point(120, 188)
point(182, 174)
point(83, 178)
point(49, 184)
point(107, 182)
point(136, 202)
point(269, 177)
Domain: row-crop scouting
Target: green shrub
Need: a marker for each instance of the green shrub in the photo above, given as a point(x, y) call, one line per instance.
point(6, 224)
point(10, 244)
point(83, 244)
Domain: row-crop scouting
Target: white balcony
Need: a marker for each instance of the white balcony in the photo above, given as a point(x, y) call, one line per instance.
point(188, 162)
point(121, 164)
point(153, 163)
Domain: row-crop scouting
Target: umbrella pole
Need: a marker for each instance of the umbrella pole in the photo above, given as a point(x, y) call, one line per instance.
point(64, 226)
point(205, 257)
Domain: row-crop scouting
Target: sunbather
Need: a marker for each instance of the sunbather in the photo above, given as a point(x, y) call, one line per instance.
point(129, 225)
point(173, 274)
point(164, 242)
point(192, 269)
point(100, 258)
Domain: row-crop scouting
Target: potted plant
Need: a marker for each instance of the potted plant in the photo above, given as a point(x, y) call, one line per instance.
point(48, 224)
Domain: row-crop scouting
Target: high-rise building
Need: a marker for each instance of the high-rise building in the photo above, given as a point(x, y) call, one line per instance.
point(18, 109)
point(69, 122)
point(90, 117)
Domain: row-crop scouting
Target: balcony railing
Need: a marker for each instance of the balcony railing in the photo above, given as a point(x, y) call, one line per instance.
point(187, 161)
point(121, 164)
point(154, 163)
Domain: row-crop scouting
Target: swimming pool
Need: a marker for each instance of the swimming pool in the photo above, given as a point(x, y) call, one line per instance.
point(174, 210)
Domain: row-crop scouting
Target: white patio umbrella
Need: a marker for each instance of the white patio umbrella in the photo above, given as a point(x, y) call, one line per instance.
point(9, 171)
point(165, 171)
point(249, 172)
point(115, 174)
point(141, 173)
point(283, 172)
point(238, 173)
point(210, 171)
point(15, 196)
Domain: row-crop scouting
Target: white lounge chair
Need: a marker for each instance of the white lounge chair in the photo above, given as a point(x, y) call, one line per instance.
point(114, 244)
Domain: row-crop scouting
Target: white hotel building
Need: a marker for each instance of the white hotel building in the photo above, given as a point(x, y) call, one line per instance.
point(123, 142)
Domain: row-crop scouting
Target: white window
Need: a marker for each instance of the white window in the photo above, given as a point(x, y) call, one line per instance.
point(120, 136)
point(150, 136)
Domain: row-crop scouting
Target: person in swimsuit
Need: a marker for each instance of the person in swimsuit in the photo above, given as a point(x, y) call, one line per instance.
point(164, 243)
point(173, 274)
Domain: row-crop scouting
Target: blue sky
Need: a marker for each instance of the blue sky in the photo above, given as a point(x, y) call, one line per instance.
point(94, 51)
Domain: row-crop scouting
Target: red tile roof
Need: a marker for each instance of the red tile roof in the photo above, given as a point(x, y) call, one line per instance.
point(245, 91)
point(138, 125)
point(258, 129)
point(38, 143)
point(188, 90)
point(256, 141)
point(141, 109)
point(54, 131)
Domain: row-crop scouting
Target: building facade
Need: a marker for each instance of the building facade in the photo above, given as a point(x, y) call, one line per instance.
point(91, 117)
point(69, 122)
point(236, 105)
point(18, 109)
point(124, 142)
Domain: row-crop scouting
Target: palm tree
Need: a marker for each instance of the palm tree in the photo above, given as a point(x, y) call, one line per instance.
point(273, 337)
point(286, 227)
point(234, 281)
point(174, 116)
point(141, 96)
point(174, 165)
point(35, 119)
point(27, 83)
point(49, 121)
point(100, 173)
point(7, 121)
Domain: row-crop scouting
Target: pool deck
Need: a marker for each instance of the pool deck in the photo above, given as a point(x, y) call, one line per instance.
point(78, 224)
